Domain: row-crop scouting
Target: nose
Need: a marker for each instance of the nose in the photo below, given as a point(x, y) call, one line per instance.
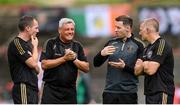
point(37, 30)
point(115, 29)
point(71, 32)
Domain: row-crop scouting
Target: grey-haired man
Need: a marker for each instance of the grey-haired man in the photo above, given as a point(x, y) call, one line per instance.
point(61, 58)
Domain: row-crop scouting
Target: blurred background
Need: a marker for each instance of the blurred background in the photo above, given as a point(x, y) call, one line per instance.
point(94, 27)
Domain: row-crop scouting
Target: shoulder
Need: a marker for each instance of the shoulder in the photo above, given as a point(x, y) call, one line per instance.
point(12, 44)
point(53, 39)
point(50, 41)
point(163, 42)
point(16, 41)
point(162, 45)
point(112, 40)
point(77, 43)
point(17, 45)
point(138, 41)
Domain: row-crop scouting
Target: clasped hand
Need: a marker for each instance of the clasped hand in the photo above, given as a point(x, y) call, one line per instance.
point(70, 55)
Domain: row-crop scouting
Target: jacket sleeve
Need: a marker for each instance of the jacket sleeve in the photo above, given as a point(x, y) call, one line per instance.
point(99, 59)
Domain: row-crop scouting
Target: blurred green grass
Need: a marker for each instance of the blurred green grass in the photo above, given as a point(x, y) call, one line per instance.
point(13, 1)
point(86, 2)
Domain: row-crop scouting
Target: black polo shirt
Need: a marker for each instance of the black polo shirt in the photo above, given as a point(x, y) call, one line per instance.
point(163, 80)
point(18, 52)
point(64, 75)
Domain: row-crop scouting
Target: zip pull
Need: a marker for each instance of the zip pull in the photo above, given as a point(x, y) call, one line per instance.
point(122, 48)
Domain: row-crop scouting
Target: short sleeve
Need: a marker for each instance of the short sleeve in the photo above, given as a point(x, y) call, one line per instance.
point(47, 51)
point(160, 51)
point(81, 54)
point(20, 50)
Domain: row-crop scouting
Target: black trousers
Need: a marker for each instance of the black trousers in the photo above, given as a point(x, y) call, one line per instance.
point(58, 95)
point(118, 98)
point(23, 94)
point(159, 98)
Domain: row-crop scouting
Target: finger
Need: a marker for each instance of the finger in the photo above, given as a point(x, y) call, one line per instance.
point(121, 60)
point(35, 38)
point(110, 63)
point(111, 48)
point(139, 59)
point(67, 50)
point(110, 53)
point(114, 63)
point(32, 37)
point(75, 55)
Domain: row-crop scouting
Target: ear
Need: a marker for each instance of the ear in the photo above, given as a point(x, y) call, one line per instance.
point(59, 30)
point(27, 28)
point(128, 28)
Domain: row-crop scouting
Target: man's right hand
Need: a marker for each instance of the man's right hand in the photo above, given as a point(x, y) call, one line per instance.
point(69, 55)
point(34, 41)
point(139, 69)
point(108, 50)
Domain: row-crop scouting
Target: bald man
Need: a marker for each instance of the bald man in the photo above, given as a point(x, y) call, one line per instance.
point(157, 65)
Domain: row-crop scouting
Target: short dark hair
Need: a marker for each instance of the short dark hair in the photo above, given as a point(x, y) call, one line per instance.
point(125, 19)
point(24, 22)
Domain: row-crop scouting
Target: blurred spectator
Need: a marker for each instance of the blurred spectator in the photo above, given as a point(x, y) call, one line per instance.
point(177, 95)
point(83, 89)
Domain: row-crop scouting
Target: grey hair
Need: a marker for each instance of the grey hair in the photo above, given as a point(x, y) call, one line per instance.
point(65, 21)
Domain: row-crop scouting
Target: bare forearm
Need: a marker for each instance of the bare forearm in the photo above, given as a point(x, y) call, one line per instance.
point(139, 67)
point(138, 72)
point(83, 66)
point(48, 64)
point(37, 69)
point(150, 67)
point(35, 54)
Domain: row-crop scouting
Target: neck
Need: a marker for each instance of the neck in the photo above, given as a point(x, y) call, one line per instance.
point(124, 39)
point(154, 37)
point(23, 36)
point(129, 35)
point(64, 41)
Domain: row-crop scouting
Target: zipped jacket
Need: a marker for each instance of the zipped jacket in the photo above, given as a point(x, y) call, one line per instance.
point(121, 80)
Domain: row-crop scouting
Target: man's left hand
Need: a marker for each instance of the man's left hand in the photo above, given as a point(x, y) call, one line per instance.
point(120, 64)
